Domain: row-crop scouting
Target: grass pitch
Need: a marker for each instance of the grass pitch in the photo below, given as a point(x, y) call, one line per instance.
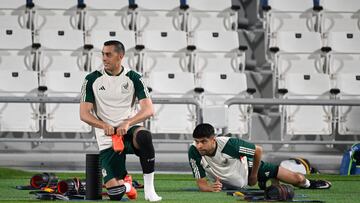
point(182, 188)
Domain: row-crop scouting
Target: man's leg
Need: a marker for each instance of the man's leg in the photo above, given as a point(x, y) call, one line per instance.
point(295, 179)
point(299, 180)
point(112, 167)
point(144, 148)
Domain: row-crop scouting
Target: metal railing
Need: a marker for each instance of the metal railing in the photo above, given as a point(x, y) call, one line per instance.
point(44, 99)
point(192, 101)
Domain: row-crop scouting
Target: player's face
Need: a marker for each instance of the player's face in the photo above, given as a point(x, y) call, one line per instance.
point(205, 146)
point(111, 58)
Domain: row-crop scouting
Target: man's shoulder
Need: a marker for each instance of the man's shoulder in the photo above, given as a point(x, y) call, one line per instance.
point(193, 152)
point(131, 73)
point(192, 148)
point(93, 75)
point(222, 140)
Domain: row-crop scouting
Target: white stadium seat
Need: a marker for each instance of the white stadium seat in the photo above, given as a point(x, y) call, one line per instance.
point(340, 16)
point(298, 52)
point(107, 14)
point(211, 15)
point(218, 62)
point(344, 42)
point(61, 39)
point(64, 117)
point(19, 117)
point(18, 18)
point(12, 4)
point(219, 87)
point(288, 15)
point(166, 84)
point(212, 20)
point(166, 41)
point(344, 63)
point(62, 60)
point(291, 5)
point(160, 15)
point(297, 63)
point(349, 116)
point(165, 62)
point(16, 60)
point(298, 42)
point(159, 20)
point(53, 14)
point(305, 120)
point(56, 19)
point(98, 37)
point(15, 38)
point(214, 41)
point(217, 52)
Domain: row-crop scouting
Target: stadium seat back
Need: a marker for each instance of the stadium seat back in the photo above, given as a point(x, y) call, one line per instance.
point(64, 117)
point(16, 60)
point(344, 42)
point(213, 41)
point(166, 84)
point(15, 38)
point(173, 41)
point(98, 37)
point(17, 19)
point(60, 39)
point(165, 62)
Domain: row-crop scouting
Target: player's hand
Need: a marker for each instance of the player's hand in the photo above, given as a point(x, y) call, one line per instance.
point(217, 186)
point(252, 180)
point(108, 130)
point(122, 128)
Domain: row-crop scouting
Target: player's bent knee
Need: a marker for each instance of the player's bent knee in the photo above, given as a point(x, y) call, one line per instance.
point(117, 192)
point(300, 179)
point(143, 138)
point(146, 151)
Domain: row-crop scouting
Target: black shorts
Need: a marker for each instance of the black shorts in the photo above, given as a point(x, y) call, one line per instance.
point(267, 171)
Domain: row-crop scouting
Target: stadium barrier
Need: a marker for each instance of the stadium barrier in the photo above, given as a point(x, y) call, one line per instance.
point(232, 101)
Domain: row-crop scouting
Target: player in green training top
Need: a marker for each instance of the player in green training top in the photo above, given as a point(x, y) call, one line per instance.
point(108, 99)
point(233, 163)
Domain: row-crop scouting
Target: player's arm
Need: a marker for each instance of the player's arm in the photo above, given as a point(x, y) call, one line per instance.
point(86, 115)
point(145, 112)
point(205, 186)
point(256, 165)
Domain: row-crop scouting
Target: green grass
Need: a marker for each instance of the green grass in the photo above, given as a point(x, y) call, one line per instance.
point(177, 188)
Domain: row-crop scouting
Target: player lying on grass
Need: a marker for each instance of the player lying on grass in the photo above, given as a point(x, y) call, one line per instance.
point(233, 163)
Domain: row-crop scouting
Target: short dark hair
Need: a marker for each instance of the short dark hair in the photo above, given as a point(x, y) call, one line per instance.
point(119, 47)
point(204, 130)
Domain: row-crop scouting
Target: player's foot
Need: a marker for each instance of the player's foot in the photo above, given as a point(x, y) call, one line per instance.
point(153, 197)
point(149, 190)
point(319, 184)
point(132, 194)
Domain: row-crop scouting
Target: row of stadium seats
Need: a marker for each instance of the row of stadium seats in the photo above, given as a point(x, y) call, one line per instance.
point(120, 15)
point(308, 53)
point(308, 15)
point(154, 50)
point(216, 89)
point(313, 47)
point(325, 17)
